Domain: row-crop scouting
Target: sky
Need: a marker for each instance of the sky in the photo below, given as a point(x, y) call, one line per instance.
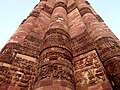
point(12, 13)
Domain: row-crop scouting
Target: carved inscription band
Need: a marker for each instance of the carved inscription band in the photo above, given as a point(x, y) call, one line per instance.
point(61, 4)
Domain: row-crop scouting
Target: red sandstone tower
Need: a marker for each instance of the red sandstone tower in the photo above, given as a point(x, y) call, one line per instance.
point(61, 45)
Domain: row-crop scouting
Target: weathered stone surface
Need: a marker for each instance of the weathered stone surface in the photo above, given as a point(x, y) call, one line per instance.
point(109, 51)
point(89, 72)
point(47, 9)
point(71, 7)
point(75, 23)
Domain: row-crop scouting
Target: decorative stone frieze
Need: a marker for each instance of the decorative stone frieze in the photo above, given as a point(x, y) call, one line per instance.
point(88, 71)
point(107, 48)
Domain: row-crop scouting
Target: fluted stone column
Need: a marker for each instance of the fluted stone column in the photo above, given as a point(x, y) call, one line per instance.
point(109, 51)
point(55, 68)
point(95, 75)
point(19, 57)
point(106, 45)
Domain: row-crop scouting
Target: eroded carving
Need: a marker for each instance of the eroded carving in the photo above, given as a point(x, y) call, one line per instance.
point(56, 71)
point(17, 48)
point(3, 70)
point(89, 71)
point(87, 2)
point(7, 58)
point(23, 71)
point(22, 80)
point(24, 64)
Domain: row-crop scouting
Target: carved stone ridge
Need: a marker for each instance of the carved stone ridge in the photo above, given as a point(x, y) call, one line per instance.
point(17, 48)
point(87, 2)
point(61, 4)
point(84, 10)
point(99, 18)
point(51, 56)
point(58, 30)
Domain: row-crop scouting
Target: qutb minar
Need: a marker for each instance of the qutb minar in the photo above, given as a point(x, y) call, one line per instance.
point(61, 45)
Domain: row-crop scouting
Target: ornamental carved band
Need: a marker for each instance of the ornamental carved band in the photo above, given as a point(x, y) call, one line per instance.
point(56, 38)
point(54, 55)
point(13, 48)
point(61, 4)
point(58, 31)
point(88, 70)
point(55, 71)
point(109, 51)
point(107, 48)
